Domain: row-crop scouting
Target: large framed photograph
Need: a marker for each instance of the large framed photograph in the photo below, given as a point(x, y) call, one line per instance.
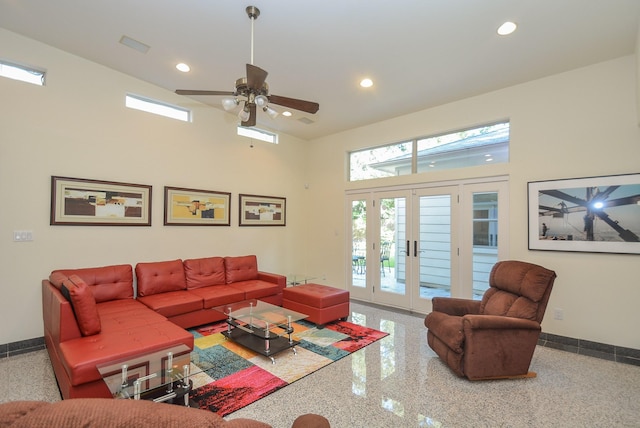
point(594, 214)
point(84, 202)
point(258, 210)
point(193, 207)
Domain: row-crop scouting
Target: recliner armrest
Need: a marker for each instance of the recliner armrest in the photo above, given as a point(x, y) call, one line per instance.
point(498, 346)
point(455, 306)
point(497, 322)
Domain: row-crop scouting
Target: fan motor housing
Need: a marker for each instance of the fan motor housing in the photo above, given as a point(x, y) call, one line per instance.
point(243, 89)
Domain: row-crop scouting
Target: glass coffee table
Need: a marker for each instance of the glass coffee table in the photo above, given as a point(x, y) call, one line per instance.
point(261, 327)
point(162, 376)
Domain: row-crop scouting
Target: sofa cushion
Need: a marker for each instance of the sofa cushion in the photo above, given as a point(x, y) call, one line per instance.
point(521, 278)
point(83, 303)
point(241, 268)
point(173, 303)
point(517, 290)
point(80, 357)
point(106, 412)
point(160, 277)
point(119, 315)
point(218, 295)
point(255, 289)
point(499, 302)
point(204, 272)
point(106, 283)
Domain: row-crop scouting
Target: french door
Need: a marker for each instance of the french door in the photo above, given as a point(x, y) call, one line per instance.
point(410, 245)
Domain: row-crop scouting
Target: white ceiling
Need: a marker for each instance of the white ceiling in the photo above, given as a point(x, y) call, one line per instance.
point(420, 53)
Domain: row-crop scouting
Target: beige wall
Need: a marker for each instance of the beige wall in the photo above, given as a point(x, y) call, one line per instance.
point(638, 75)
point(77, 126)
point(576, 124)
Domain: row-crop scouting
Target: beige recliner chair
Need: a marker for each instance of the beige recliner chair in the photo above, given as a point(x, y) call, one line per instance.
point(494, 337)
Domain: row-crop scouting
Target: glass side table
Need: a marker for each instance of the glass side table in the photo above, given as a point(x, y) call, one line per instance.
point(294, 279)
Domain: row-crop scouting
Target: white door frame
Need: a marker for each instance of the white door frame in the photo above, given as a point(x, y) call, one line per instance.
point(462, 246)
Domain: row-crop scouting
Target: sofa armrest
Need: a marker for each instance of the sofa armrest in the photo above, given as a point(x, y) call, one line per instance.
point(275, 278)
point(59, 321)
point(454, 306)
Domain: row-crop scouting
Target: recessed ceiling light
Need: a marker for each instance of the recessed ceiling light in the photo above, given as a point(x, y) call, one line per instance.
point(366, 83)
point(286, 113)
point(183, 67)
point(507, 28)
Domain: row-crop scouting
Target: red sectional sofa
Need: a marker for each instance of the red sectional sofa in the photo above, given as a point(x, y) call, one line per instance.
point(91, 316)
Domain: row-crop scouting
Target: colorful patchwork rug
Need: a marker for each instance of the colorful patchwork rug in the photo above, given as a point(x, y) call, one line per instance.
point(232, 377)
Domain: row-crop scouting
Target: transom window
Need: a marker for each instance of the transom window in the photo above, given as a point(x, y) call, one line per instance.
point(465, 148)
point(258, 134)
point(22, 73)
point(157, 107)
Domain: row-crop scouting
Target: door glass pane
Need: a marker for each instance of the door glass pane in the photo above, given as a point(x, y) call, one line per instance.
point(435, 246)
point(359, 242)
point(485, 240)
point(393, 228)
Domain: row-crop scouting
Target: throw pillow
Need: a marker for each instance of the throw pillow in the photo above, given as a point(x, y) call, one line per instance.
point(83, 303)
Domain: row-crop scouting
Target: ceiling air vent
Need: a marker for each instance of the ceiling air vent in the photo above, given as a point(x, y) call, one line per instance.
point(306, 120)
point(134, 44)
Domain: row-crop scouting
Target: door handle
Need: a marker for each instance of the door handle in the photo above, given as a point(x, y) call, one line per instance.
point(415, 248)
point(408, 251)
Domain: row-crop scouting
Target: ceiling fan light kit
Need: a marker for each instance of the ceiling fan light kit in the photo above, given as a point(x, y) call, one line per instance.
point(229, 103)
point(244, 114)
point(253, 91)
point(271, 112)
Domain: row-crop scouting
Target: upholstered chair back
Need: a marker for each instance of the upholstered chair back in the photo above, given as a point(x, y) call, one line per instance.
point(518, 289)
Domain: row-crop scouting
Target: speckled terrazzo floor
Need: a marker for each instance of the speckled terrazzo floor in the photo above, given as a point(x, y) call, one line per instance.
point(399, 382)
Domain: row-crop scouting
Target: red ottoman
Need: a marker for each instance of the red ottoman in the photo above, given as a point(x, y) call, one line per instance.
point(322, 303)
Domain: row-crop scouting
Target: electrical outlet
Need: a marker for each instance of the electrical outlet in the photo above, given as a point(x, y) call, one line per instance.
point(558, 314)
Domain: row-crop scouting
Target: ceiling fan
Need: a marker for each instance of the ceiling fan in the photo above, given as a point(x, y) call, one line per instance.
point(252, 91)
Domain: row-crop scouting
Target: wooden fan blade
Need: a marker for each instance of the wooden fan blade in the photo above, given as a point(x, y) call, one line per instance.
point(252, 116)
point(255, 77)
point(306, 106)
point(196, 92)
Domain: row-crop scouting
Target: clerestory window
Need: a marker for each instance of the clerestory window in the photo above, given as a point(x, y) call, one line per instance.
point(157, 107)
point(469, 147)
point(22, 73)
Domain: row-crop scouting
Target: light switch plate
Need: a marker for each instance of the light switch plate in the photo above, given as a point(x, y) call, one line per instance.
point(22, 235)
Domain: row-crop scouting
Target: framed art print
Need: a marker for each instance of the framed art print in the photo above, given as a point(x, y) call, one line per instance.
point(594, 214)
point(85, 202)
point(258, 210)
point(193, 207)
